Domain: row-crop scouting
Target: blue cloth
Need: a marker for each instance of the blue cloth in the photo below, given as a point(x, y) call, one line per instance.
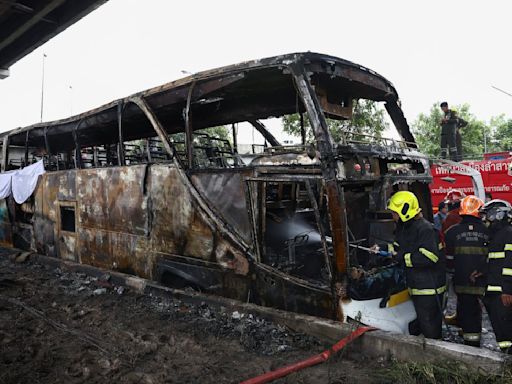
point(386, 281)
point(438, 220)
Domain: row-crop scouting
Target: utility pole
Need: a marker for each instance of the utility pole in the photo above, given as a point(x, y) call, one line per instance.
point(42, 89)
point(485, 140)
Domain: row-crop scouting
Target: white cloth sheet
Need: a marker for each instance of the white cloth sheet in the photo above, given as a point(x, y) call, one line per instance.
point(21, 182)
point(5, 184)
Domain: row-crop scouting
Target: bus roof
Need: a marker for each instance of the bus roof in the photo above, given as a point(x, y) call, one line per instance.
point(249, 90)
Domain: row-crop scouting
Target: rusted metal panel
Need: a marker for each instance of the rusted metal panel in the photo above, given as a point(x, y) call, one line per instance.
point(94, 245)
point(67, 247)
point(172, 204)
point(226, 194)
point(168, 221)
point(129, 213)
point(117, 251)
point(179, 272)
point(66, 231)
point(5, 225)
point(180, 226)
point(132, 254)
point(52, 188)
point(275, 289)
point(65, 183)
point(231, 258)
point(199, 239)
point(113, 199)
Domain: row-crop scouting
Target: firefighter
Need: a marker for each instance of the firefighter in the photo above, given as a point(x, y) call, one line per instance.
point(453, 197)
point(467, 243)
point(498, 296)
point(423, 261)
point(451, 141)
point(440, 216)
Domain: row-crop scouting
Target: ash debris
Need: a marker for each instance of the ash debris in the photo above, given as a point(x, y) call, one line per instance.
point(254, 333)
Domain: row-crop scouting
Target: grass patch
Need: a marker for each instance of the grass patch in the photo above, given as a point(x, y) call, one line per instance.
point(445, 372)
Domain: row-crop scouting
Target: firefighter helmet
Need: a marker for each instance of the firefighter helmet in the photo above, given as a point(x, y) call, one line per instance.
point(454, 195)
point(496, 210)
point(405, 204)
point(470, 205)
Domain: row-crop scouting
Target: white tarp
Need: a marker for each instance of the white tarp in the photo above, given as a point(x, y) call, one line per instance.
point(5, 184)
point(21, 182)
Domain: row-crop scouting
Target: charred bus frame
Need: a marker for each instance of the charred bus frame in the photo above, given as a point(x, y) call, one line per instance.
point(133, 186)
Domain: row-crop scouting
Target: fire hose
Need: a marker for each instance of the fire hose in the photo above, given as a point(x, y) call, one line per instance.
point(313, 360)
point(370, 250)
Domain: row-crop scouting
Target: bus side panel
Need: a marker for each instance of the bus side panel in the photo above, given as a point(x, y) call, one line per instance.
point(118, 251)
point(53, 189)
point(113, 199)
point(177, 225)
point(278, 290)
point(123, 218)
point(113, 219)
point(225, 191)
point(5, 225)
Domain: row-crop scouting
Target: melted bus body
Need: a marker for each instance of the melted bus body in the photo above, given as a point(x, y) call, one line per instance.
point(142, 186)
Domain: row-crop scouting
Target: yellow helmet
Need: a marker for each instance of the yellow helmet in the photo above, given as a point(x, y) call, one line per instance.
point(406, 204)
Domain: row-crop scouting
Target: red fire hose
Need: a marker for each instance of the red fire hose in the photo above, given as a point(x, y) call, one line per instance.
point(313, 360)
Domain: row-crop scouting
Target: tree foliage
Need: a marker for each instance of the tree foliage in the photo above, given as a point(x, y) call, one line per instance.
point(368, 119)
point(220, 132)
point(502, 133)
point(427, 131)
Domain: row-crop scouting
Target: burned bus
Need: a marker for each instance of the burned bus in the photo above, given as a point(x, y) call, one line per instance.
point(142, 186)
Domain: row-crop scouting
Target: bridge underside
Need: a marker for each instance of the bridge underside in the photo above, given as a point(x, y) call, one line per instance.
point(27, 24)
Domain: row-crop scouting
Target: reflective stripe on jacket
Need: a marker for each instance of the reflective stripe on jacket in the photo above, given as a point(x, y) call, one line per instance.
point(499, 259)
point(422, 256)
point(467, 242)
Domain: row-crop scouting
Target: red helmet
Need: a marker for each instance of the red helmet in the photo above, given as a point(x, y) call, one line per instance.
point(454, 195)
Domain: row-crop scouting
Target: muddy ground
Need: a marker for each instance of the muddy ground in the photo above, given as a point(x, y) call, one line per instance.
point(60, 327)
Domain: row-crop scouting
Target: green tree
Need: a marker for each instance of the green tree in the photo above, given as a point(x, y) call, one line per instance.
point(368, 119)
point(427, 131)
point(219, 132)
point(502, 133)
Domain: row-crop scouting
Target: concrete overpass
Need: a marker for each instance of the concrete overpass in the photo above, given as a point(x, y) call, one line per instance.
point(27, 24)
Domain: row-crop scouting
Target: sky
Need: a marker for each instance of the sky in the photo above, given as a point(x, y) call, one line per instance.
point(430, 50)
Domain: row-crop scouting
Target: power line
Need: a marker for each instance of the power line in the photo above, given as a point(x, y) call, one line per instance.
point(502, 91)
